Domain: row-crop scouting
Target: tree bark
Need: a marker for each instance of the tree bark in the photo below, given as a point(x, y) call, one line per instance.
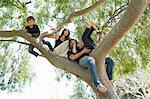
point(131, 16)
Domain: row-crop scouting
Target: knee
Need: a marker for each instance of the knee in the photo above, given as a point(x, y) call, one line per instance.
point(84, 38)
point(91, 61)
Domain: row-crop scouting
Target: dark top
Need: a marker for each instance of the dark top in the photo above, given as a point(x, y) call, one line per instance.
point(35, 31)
point(78, 50)
point(57, 42)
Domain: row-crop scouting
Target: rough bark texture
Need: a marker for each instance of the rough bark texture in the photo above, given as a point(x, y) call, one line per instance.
point(131, 16)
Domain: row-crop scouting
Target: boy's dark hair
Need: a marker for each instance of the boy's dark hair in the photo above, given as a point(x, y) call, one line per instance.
point(30, 18)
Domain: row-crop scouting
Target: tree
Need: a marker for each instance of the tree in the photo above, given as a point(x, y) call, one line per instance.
point(129, 18)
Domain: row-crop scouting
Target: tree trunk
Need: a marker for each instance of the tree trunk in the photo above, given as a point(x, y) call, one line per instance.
point(130, 17)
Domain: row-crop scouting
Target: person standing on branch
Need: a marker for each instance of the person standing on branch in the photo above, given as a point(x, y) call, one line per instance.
point(32, 30)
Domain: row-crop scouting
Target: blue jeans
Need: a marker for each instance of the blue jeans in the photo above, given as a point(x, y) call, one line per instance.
point(31, 47)
point(89, 62)
point(48, 44)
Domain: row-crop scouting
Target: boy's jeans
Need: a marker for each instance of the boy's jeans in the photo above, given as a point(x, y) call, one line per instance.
point(89, 62)
point(31, 47)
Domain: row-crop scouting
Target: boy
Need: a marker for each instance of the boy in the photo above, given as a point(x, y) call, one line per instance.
point(32, 30)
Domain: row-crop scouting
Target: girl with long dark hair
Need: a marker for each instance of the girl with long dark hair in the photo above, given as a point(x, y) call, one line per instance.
point(65, 35)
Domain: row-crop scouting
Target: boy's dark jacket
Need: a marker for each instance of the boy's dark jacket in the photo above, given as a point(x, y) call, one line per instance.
point(35, 31)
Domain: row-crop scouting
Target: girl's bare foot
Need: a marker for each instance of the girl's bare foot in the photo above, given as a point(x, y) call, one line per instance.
point(101, 88)
point(112, 82)
point(90, 24)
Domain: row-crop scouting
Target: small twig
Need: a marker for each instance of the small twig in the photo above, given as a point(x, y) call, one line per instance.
point(21, 3)
point(116, 13)
point(27, 2)
point(52, 27)
point(18, 48)
point(58, 18)
point(111, 19)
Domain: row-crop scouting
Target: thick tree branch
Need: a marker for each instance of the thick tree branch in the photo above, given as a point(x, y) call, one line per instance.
point(59, 62)
point(80, 13)
point(9, 33)
point(130, 17)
